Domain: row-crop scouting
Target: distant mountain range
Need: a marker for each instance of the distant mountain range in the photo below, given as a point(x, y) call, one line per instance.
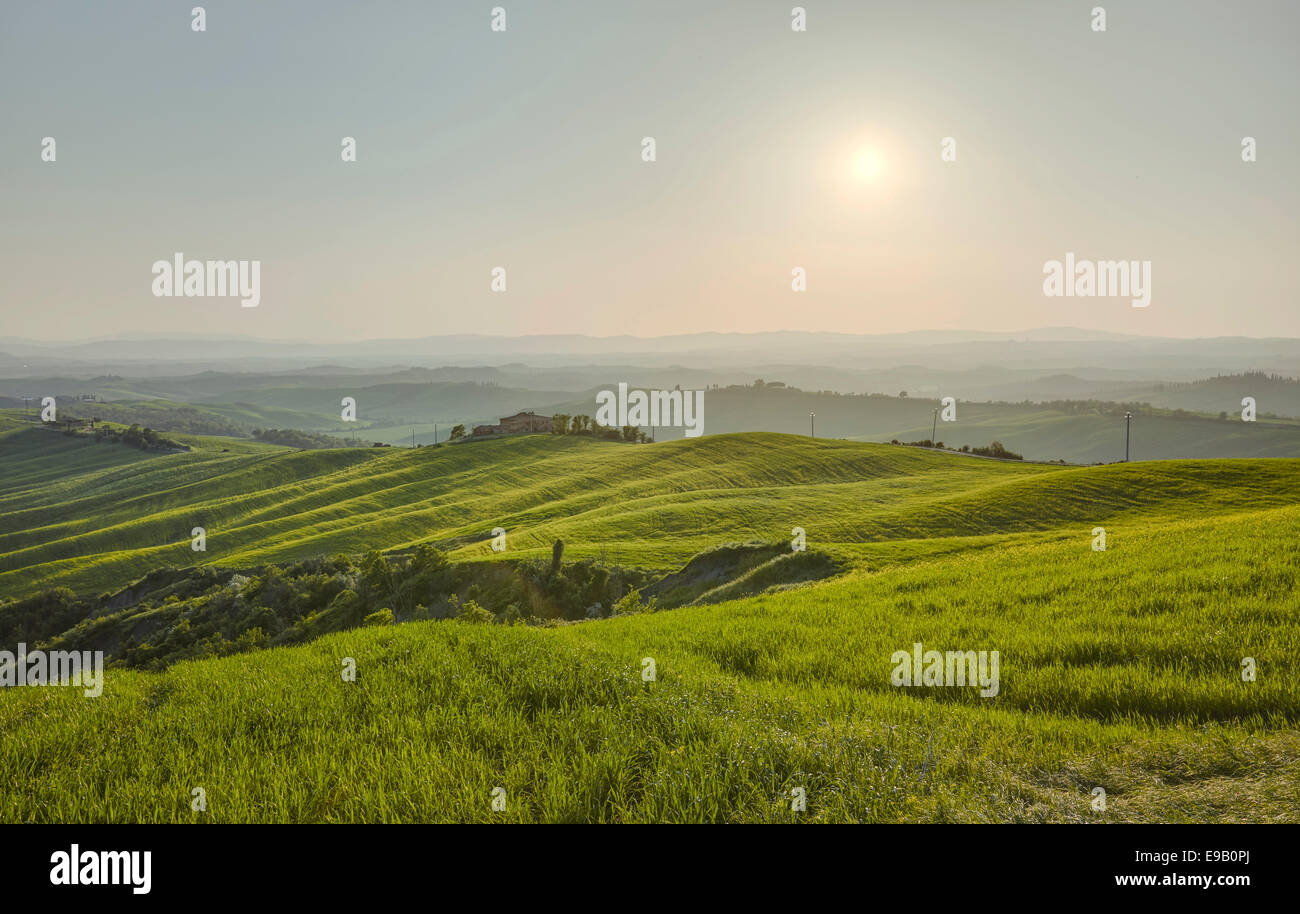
point(1088, 353)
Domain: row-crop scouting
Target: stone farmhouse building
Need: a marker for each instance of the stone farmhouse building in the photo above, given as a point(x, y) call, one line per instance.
point(519, 424)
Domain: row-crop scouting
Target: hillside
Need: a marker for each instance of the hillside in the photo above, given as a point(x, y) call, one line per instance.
point(97, 527)
point(1075, 431)
point(1042, 416)
point(236, 419)
point(1119, 670)
point(1273, 393)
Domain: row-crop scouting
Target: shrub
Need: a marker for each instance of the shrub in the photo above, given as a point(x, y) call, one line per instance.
point(996, 450)
point(383, 617)
point(470, 611)
point(631, 603)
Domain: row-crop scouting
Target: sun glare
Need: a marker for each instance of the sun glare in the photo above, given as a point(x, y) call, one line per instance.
point(868, 165)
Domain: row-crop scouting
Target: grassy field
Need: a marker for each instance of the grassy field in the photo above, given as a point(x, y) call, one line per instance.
point(1119, 669)
point(100, 526)
point(1085, 434)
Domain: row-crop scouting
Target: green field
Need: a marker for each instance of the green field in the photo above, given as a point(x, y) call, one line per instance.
point(1083, 432)
point(1119, 669)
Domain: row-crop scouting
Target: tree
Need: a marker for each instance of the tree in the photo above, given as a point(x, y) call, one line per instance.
point(375, 570)
point(560, 424)
point(629, 433)
point(427, 558)
point(457, 431)
point(557, 556)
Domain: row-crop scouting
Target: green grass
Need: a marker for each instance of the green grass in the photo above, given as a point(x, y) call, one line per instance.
point(203, 418)
point(1036, 430)
point(1119, 669)
point(648, 505)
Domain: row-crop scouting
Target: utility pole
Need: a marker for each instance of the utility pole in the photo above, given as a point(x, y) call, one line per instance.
point(412, 437)
point(934, 429)
point(812, 425)
point(1128, 417)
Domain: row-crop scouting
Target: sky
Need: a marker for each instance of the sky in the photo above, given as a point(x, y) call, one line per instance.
point(522, 149)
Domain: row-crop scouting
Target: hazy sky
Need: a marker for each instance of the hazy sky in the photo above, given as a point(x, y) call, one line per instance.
point(522, 149)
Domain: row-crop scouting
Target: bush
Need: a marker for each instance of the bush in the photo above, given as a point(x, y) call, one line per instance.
point(383, 617)
point(996, 450)
point(631, 603)
point(470, 611)
point(512, 615)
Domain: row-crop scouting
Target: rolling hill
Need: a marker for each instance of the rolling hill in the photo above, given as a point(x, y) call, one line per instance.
point(646, 505)
point(1075, 431)
point(1121, 669)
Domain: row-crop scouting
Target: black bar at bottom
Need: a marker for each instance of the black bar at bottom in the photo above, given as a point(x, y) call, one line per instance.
point(333, 863)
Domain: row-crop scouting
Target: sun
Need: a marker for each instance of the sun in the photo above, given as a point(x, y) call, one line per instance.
point(868, 165)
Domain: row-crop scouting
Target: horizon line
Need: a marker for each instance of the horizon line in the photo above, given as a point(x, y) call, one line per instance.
point(154, 336)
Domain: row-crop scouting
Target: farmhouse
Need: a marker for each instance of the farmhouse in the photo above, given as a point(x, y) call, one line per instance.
point(519, 424)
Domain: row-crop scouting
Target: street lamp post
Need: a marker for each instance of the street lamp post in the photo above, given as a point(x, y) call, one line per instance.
point(812, 425)
point(1128, 417)
point(934, 429)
